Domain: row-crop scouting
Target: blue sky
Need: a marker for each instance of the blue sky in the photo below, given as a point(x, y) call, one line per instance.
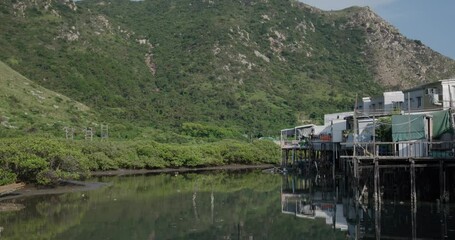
point(432, 22)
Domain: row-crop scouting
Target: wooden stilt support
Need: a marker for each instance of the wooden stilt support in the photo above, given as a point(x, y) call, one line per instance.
point(356, 181)
point(293, 183)
point(441, 179)
point(413, 183)
point(286, 153)
point(413, 200)
point(293, 157)
point(333, 165)
point(442, 182)
point(377, 201)
point(376, 184)
point(443, 214)
point(414, 221)
point(356, 167)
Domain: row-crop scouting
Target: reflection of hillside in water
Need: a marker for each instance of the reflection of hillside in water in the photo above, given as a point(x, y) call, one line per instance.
point(215, 205)
point(42, 217)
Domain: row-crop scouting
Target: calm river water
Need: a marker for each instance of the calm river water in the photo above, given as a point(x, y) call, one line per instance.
point(217, 205)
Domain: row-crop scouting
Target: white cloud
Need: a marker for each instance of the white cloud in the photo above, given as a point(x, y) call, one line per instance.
point(340, 4)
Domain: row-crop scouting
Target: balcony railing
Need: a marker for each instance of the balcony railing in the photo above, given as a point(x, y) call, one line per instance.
point(417, 149)
point(291, 143)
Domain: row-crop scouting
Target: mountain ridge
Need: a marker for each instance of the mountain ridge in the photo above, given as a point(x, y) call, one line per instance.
point(256, 65)
point(412, 66)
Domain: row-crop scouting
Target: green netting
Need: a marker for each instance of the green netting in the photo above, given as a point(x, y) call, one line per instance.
point(406, 127)
point(441, 123)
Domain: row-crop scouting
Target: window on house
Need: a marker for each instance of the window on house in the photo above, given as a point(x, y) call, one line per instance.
point(397, 106)
point(419, 102)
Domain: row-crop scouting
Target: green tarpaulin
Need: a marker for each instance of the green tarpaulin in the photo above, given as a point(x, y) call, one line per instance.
point(441, 123)
point(406, 127)
point(412, 127)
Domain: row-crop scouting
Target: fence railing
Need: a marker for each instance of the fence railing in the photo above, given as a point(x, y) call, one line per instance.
point(290, 143)
point(403, 149)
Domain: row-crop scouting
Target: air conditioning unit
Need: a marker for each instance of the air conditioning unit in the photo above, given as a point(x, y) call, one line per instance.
point(435, 99)
point(431, 91)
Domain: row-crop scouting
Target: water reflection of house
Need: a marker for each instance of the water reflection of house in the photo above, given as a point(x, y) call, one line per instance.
point(300, 206)
point(301, 199)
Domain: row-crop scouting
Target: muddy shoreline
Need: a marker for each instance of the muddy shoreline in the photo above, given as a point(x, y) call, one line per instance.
point(63, 187)
point(79, 186)
point(121, 172)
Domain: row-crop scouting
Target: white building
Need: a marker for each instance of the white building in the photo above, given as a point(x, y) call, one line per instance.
point(382, 104)
point(328, 118)
point(433, 96)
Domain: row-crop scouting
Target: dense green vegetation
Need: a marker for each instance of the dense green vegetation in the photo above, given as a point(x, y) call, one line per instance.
point(176, 78)
point(173, 78)
point(27, 108)
point(46, 161)
point(207, 63)
point(33, 121)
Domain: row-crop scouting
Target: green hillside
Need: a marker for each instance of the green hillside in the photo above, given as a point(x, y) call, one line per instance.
point(25, 107)
point(256, 66)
